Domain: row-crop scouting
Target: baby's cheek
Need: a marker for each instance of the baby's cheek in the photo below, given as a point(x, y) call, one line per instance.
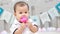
point(18, 18)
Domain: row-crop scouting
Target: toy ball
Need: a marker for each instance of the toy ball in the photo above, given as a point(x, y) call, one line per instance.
point(23, 19)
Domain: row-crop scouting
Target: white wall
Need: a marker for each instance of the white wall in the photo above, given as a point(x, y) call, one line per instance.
point(40, 5)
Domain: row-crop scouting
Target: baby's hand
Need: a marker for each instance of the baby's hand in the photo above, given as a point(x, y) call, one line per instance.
point(20, 29)
point(23, 25)
point(32, 28)
point(29, 24)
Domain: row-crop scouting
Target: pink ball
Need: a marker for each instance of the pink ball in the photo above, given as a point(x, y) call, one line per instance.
point(23, 19)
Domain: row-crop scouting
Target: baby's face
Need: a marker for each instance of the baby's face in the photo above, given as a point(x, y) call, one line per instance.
point(21, 11)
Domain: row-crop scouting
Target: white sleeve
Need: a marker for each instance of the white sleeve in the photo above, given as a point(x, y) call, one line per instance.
point(13, 28)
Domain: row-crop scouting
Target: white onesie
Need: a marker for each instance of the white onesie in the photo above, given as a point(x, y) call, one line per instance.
point(16, 24)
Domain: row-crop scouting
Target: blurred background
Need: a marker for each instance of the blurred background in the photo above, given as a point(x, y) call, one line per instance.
point(45, 12)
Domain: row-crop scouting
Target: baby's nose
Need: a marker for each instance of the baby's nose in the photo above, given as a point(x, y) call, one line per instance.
point(23, 14)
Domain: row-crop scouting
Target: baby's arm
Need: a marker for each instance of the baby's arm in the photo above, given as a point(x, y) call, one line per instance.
point(20, 29)
point(33, 28)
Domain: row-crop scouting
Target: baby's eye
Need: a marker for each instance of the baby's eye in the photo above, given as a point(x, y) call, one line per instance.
point(25, 12)
point(20, 13)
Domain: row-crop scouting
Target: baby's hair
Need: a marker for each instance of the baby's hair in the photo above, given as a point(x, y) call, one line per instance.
point(21, 4)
